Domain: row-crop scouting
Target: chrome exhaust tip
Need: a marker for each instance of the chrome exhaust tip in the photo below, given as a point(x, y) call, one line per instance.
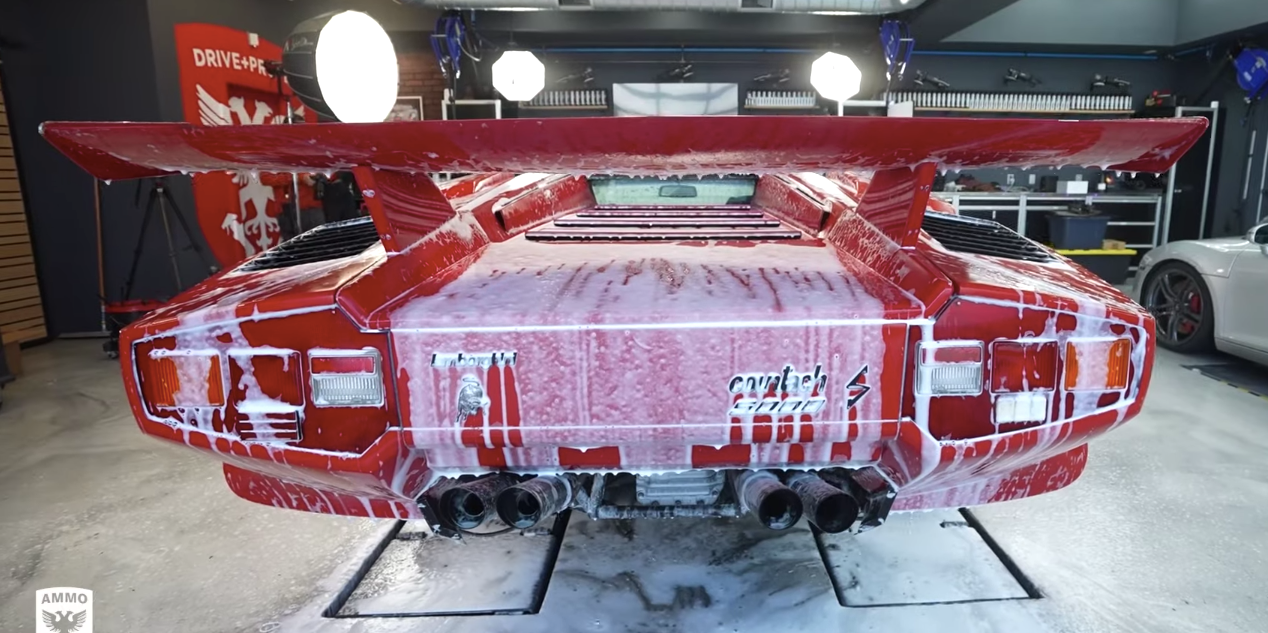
point(775, 504)
point(524, 505)
point(827, 507)
point(468, 505)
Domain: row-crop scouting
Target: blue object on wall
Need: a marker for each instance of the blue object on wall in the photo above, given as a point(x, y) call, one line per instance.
point(1252, 71)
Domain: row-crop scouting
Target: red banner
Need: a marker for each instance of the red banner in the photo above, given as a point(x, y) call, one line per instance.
point(224, 82)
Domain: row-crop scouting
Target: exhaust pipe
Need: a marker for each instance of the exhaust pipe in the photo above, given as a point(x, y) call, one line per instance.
point(829, 508)
point(523, 506)
point(469, 504)
point(775, 505)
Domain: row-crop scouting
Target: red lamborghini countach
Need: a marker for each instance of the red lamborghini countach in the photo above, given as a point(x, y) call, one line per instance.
point(641, 317)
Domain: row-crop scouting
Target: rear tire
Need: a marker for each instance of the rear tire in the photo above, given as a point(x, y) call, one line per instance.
point(1184, 315)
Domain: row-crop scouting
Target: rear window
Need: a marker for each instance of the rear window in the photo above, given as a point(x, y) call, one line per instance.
point(673, 190)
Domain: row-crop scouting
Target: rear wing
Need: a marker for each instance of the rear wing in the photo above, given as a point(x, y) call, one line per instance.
point(905, 152)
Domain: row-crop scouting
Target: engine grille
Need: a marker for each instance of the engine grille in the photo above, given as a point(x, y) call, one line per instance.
point(982, 237)
point(326, 242)
point(652, 224)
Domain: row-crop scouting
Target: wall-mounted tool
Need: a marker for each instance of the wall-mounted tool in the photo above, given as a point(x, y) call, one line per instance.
point(585, 78)
point(1013, 75)
point(1103, 81)
point(774, 78)
point(929, 81)
point(682, 72)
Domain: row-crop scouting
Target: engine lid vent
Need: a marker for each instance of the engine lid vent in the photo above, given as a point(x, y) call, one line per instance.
point(981, 237)
point(326, 242)
point(664, 224)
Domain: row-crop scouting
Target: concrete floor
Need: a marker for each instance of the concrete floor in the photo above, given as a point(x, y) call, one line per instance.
point(1164, 531)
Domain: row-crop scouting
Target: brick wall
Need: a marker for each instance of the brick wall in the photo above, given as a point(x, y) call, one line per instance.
point(420, 76)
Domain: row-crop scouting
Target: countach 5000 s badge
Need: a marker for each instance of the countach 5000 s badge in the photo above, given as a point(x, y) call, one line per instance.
point(785, 392)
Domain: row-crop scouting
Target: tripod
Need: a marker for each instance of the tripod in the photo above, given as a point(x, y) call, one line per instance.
point(161, 199)
point(120, 313)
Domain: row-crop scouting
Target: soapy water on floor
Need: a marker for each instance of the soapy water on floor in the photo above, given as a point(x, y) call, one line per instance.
point(919, 572)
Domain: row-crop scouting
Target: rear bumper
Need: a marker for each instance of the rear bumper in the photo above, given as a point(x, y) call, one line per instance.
point(386, 480)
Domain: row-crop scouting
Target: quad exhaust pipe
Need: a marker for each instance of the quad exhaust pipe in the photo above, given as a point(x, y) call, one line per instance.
point(827, 507)
point(775, 504)
point(470, 504)
point(524, 505)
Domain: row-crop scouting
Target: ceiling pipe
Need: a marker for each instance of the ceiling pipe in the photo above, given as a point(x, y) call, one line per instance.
point(675, 50)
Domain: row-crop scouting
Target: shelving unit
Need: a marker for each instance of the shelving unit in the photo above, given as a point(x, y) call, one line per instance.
point(780, 100)
point(585, 99)
point(1101, 112)
point(1017, 102)
point(1022, 204)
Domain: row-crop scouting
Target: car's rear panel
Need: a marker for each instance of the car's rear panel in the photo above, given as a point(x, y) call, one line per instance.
point(651, 357)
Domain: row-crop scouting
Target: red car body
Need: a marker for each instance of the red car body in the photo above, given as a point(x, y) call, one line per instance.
point(807, 329)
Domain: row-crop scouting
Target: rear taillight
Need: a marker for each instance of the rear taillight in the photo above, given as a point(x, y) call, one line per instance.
point(949, 368)
point(346, 378)
point(1099, 364)
point(1023, 366)
point(180, 379)
point(266, 378)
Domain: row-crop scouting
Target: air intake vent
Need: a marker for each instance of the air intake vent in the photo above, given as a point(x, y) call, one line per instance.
point(663, 224)
point(326, 242)
point(981, 237)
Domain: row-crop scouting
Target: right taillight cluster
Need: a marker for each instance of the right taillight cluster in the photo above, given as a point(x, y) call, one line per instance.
point(1024, 374)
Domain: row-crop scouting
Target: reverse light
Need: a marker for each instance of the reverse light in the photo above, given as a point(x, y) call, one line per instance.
point(1021, 407)
point(178, 378)
point(1022, 366)
point(949, 368)
point(1100, 364)
point(346, 378)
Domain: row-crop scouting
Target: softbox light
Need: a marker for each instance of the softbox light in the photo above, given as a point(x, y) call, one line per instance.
point(343, 66)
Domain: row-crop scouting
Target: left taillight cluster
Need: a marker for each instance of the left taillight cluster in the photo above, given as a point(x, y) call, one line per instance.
point(255, 381)
point(1024, 373)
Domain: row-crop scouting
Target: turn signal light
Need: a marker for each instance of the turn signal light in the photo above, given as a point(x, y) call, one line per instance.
point(1097, 364)
point(1023, 366)
point(182, 379)
point(949, 368)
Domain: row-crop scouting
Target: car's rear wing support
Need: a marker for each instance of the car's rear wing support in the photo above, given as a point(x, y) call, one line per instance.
point(405, 206)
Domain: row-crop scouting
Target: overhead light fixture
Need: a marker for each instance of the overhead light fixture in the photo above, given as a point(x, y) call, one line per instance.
point(343, 66)
point(836, 13)
point(519, 75)
point(835, 76)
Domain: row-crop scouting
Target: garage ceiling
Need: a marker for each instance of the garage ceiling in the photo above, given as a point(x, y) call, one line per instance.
point(839, 7)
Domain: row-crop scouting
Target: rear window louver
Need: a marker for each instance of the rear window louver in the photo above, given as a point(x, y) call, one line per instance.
point(982, 237)
point(633, 224)
point(326, 242)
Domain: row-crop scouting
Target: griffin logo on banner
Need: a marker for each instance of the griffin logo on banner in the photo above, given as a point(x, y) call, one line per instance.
point(63, 610)
point(224, 82)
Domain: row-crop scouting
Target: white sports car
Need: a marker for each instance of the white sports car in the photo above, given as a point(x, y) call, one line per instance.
point(1208, 294)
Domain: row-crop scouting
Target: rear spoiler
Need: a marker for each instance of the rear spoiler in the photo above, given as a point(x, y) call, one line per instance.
point(626, 145)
